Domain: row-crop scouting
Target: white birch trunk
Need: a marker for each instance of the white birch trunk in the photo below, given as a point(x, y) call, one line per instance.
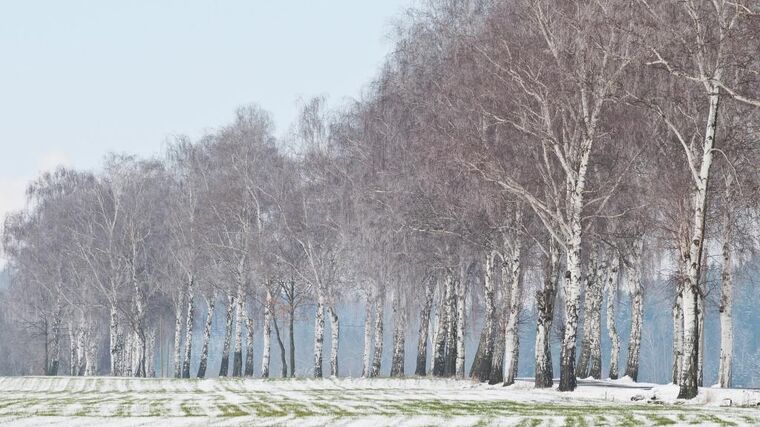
point(677, 337)
point(701, 331)
point(73, 350)
point(460, 306)
point(545, 307)
point(726, 306)
point(150, 355)
point(81, 349)
point(249, 327)
point(422, 340)
point(377, 358)
point(319, 334)
point(189, 328)
point(572, 278)
point(90, 350)
point(399, 338)
point(267, 350)
point(113, 342)
point(440, 333)
point(334, 340)
point(177, 342)
point(688, 386)
point(237, 363)
point(595, 322)
point(481, 368)
point(224, 368)
point(203, 365)
point(637, 311)
point(612, 293)
point(367, 355)
point(512, 336)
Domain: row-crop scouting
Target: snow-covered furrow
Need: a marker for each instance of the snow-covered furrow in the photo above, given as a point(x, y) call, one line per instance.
point(303, 402)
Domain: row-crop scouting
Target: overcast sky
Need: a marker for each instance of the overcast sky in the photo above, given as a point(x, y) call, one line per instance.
point(79, 79)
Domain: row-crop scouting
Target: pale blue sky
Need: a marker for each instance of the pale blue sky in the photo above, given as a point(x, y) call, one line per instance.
point(81, 78)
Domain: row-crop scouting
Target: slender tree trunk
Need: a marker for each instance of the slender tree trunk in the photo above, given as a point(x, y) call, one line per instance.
point(283, 362)
point(701, 329)
point(441, 332)
point(319, 334)
point(726, 305)
point(237, 363)
point(545, 300)
point(612, 292)
point(334, 340)
point(688, 385)
point(206, 336)
point(496, 376)
point(73, 350)
point(575, 187)
point(189, 328)
point(55, 351)
point(451, 328)
point(512, 335)
point(81, 349)
point(637, 312)
point(266, 356)
point(150, 354)
point(399, 338)
point(422, 341)
point(224, 369)
point(113, 341)
point(481, 366)
point(677, 337)
point(248, 367)
point(177, 341)
point(379, 315)
point(582, 367)
point(461, 301)
point(90, 350)
point(367, 356)
point(292, 338)
point(595, 321)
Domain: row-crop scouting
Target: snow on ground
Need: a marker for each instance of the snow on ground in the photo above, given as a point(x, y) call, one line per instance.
point(95, 401)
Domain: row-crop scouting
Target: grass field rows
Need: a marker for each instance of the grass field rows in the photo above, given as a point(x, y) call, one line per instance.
point(126, 401)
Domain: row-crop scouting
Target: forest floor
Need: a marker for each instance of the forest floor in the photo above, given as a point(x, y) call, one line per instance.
point(96, 401)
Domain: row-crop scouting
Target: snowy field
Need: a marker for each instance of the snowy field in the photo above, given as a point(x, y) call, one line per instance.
point(307, 402)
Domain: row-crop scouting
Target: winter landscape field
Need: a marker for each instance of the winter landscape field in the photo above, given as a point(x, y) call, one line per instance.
point(367, 402)
point(383, 213)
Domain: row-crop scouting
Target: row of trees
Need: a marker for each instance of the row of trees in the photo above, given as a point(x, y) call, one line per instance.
point(511, 157)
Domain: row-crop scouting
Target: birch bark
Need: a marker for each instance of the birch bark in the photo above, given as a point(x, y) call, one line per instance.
point(612, 293)
point(688, 386)
point(379, 314)
point(189, 328)
point(319, 334)
point(439, 339)
point(399, 338)
point(224, 368)
point(726, 305)
point(237, 364)
point(367, 354)
point(545, 299)
point(334, 340)
point(249, 327)
point(267, 350)
point(637, 311)
point(422, 341)
point(512, 336)
point(210, 301)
